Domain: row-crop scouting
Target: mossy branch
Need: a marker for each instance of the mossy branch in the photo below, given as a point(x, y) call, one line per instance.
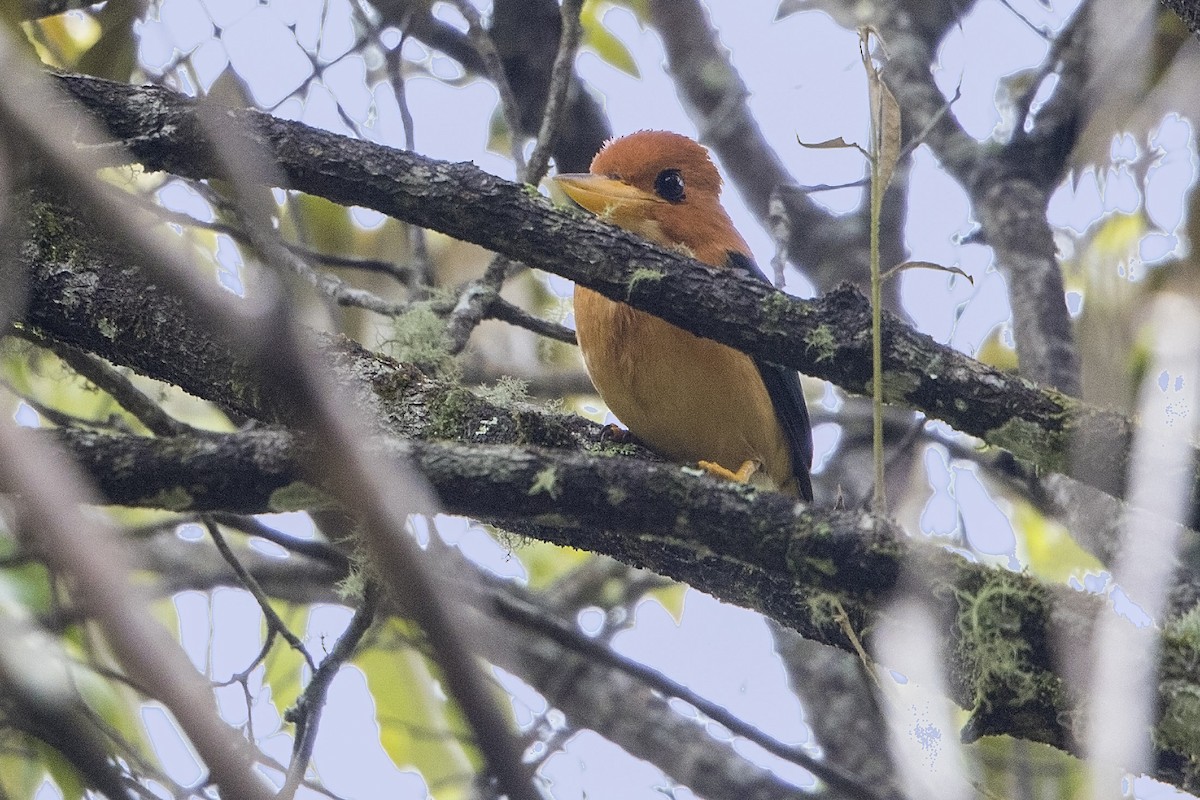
point(756, 549)
point(827, 338)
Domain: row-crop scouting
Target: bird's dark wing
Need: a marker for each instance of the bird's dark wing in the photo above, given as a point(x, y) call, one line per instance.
point(783, 387)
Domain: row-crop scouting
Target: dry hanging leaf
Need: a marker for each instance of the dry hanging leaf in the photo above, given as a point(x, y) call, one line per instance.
point(905, 265)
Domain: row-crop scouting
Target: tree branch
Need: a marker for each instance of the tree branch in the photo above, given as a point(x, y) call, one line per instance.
point(758, 550)
point(1010, 191)
point(1188, 11)
point(825, 338)
point(598, 696)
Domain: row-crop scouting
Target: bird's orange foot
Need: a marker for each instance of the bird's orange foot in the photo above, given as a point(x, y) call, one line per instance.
point(743, 475)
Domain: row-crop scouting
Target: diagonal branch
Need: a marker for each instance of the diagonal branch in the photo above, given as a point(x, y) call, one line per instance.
point(1009, 189)
point(825, 338)
point(758, 550)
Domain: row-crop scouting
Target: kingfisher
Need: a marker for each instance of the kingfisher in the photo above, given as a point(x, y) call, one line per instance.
point(688, 398)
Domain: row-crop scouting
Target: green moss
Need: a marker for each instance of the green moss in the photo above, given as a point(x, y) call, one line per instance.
point(611, 449)
point(454, 414)
point(822, 341)
point(174, 499)
point(107, 329)
point(643, 275)
point(1182, 640)
point(824, 566)
point(543, 429)
point(824, 609)
point(350, 589)
point(506, 391)
point(56, 239)
point(546, 482)
point(419, 337)
point(775, 307)
point(1026, 439)
point(896, 386)
point(1179, 726)
point(995, 646)
point(299, 496)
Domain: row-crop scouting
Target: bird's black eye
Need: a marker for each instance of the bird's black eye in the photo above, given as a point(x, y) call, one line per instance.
point(669, 185)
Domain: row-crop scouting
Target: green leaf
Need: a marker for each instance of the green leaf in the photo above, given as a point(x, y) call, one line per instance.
point(283, 665)
point(314, 221)
point(28, 586)
point(600, 39)
point(499, 135)
point(546, 563)
point(114, 55)
point(117, 704)
point(671, 598)
point(64, 775)
point(833, 144)
point(21, 774)
point(417, 726)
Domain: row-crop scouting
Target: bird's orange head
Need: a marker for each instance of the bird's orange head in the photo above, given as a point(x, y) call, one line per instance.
point(663, 186)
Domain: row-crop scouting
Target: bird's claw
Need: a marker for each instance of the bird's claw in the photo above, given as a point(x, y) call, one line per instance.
point(616, 434)
point(743, 475)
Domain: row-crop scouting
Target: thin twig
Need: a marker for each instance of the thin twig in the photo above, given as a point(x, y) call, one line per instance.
point(53, 415)
point(383, 492)
point(1028, 22)
point(473, 303)
point(271, 248)
point(560, 82)
point(87, 551)
point(307, 713)
point(529, 616)
point(401, 272)
point(1054, 59)
point(251, 526)
point(113, 383)
point(274, 623)
point(265, 333)
point(499, 308)
point(495, 71)
point(423, 278)
point(923, 134)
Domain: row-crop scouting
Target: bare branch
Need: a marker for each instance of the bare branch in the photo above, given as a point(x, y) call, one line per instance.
point(307, 714)
point(52, 523)
point(561, 76)
point(823, 338)
point(758, 550)
point(262, 331)
point(118, 386)
point(495, 72)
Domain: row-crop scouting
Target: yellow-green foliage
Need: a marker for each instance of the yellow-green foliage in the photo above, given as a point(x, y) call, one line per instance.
point(1046, 547)
point(774, 306)
point(1179, 726)
point(417, 725)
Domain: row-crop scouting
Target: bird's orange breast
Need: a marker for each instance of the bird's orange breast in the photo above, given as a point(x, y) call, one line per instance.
point(689, 398)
